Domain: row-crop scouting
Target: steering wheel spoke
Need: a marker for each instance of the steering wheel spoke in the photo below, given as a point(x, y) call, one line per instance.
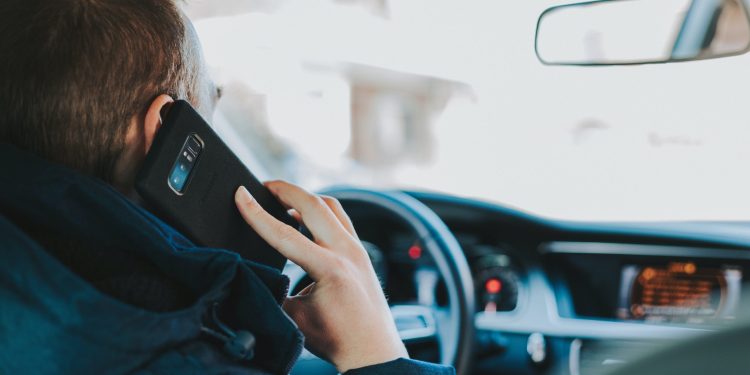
point(415, 323)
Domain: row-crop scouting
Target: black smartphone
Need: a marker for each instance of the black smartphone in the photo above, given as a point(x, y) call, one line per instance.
point(189, 179)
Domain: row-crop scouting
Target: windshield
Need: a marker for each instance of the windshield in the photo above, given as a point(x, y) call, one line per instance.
point(449, 96)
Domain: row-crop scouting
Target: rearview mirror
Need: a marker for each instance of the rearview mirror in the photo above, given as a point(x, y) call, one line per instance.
point(625, 32)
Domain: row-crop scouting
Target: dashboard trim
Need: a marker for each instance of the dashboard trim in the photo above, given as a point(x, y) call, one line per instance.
point(606, 248)
point(585, 328)
point(574, 357)
point(541, 315)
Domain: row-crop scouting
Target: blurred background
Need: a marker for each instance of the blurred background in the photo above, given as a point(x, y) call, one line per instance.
point(448, 96)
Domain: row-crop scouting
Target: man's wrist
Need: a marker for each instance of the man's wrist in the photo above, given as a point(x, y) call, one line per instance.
point(374, 357)
point(403, 366)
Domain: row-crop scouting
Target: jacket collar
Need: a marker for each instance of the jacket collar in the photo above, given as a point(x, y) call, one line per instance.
point(59, 201)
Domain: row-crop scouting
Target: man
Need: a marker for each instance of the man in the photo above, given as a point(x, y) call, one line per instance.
point(92, 283)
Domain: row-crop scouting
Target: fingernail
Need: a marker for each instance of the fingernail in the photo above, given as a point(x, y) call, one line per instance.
point(242, 195)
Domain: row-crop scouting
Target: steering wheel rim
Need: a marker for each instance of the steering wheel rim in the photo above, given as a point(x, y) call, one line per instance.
point(449, 258)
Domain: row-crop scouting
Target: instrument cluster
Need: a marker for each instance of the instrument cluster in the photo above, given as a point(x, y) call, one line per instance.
point(498, 278)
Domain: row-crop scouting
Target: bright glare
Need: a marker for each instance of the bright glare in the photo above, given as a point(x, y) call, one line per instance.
point(448, 95)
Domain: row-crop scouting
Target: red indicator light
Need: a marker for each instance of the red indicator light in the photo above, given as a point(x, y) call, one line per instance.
point(415, 252)
point(493, 286)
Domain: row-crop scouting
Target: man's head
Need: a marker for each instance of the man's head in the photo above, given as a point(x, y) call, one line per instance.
point(83, 82)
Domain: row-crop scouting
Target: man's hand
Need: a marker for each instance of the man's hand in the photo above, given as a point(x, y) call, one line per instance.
point(343, 314)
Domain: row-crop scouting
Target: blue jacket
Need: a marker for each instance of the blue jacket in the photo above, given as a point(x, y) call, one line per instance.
point(61, 313)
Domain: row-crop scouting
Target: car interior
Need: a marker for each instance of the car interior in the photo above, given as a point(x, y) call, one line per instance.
point(516, 222)
point(494, 289)
point(546, 296)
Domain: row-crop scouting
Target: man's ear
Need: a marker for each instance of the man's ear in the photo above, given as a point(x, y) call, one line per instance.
point(154, 118)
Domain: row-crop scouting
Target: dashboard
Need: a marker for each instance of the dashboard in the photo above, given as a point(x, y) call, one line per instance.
point(655, 284)
point(576, 298)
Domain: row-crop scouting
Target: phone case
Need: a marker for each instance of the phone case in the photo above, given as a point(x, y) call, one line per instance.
point(204, 210)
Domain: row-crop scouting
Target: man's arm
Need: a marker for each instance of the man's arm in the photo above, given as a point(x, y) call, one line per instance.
point(343, 314)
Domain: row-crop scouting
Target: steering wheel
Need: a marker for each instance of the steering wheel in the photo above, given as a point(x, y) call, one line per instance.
point(452, 327)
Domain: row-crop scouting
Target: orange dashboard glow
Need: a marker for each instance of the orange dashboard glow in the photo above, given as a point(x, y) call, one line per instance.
point(679, 289)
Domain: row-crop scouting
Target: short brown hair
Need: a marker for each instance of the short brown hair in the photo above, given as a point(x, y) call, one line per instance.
point(73, 73)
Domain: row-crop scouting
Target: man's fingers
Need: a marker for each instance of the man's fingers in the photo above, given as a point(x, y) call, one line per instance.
point(293, 213)
point(337, 210)
point(306, 290)
point(341, 215)
point(287, 240)
point(294, 307)
point(317, 216)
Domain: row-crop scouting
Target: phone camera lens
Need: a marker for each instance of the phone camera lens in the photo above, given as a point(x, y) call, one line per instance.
point(184, 164)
